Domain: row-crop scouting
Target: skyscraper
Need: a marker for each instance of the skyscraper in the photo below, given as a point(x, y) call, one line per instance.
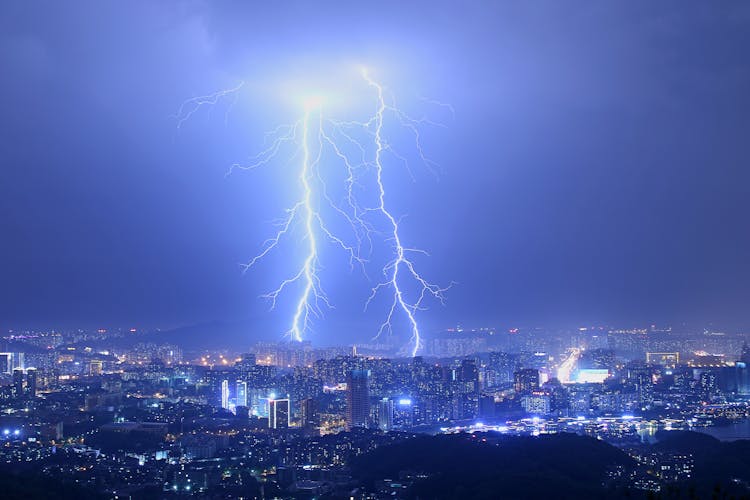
point(241, 399)
point(6, 362)
point(278, 414)
point(225, 394)
point(385, 414)
point(18, 385)
point(357, 398)
point(468, 375)
point(18, 360)
point(9, 361)
point(526, 380)
point(310, 421)
point(31, 382)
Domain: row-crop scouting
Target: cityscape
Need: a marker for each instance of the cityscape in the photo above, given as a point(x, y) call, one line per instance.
point(121, 414)
point(374, 250)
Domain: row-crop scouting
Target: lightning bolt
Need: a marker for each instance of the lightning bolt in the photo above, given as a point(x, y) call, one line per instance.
point(301, 314)
point(401, 267)
point(312, 134)
point(307, 214)
point(194, 104)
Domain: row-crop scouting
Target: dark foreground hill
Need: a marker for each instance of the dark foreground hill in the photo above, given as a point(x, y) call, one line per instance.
point(722, 469)
point(33, 486)
point(464, 466)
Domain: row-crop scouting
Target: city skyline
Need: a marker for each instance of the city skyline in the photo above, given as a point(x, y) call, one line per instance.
point(647, 410)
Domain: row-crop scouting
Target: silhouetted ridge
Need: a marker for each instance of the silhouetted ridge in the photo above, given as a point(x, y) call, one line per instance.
point(464, 466)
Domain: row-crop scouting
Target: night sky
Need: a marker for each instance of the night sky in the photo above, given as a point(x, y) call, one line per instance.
point(596, 169)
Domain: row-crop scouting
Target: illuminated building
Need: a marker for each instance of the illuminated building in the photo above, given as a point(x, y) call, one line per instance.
point(9, 361)
point(241, 399)
point(225, 394)
point(385, 414)
point(741, 378)
point(536, 403)
point(641, 378)
point(31, 382)
point(501, 365)
point(708, 384)
point(468, 375)
point(597, 359)
point(18, 385)
point(6, 362)
point(667, 359)
point(357, 398)
point(592, 376)
point(258, 401)
point(526, 380)
point(310, 419)
point(278, 414)
point(403, 412)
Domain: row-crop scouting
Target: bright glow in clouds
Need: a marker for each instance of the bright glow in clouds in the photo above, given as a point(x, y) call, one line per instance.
point(347, 207)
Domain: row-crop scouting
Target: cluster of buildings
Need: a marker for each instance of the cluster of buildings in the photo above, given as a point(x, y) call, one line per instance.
point(289, 418)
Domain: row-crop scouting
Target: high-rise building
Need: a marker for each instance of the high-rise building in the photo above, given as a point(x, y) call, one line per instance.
point(357, 398)
point(404, 410)
point(385, 414)
point(708, 384)
point(641, 377)
point(278, 414)
point(310, 420)
point(468, 375)
point(526, 380)
point(258, 400)
point(418, 367)
point(6, 363)
point(502, 365)
point(18, 385)
point(241, 399)
point(742, 373)
point(225, 394)
point(536, 403)
point(18, 360)
point(31, 382)
point(9, 361)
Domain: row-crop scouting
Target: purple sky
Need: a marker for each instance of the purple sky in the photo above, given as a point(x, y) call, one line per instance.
point(595, 171)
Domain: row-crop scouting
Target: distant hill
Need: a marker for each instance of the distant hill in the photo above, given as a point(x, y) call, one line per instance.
point(216, 334)
point(686, 441)
point(718, 464)
point(210, 335)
